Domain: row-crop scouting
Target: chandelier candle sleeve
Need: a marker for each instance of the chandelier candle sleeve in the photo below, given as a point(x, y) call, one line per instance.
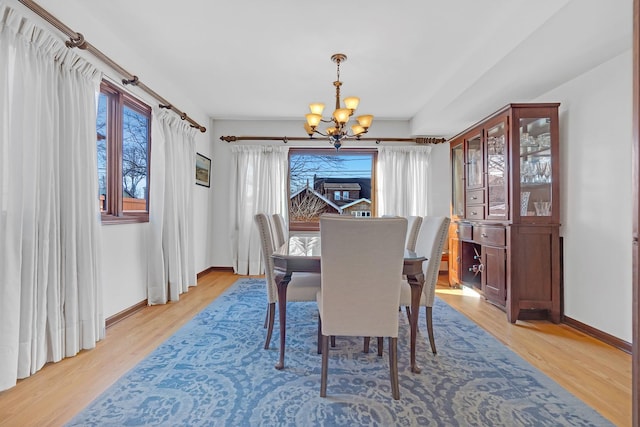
point(338, 130)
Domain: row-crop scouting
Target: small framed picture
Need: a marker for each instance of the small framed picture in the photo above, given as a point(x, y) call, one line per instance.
point(203, 170)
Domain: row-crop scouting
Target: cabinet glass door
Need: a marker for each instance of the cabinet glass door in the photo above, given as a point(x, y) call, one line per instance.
point(474, 162)
point(496, 173)
point(535, 167)
point(457, 188)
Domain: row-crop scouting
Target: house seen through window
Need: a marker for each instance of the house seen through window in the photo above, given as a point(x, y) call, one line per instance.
point(328, 181)
point(123, 146)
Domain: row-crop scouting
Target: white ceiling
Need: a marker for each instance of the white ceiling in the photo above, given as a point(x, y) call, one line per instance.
point(442, 63)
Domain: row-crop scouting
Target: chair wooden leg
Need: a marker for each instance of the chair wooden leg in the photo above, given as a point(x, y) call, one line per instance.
point(325, 367)
point(319, 334)
point(428, 315)
point(380, 345)
point(333, 341)
point(266, 318)
point(367, 340)
point(393, 367)
point(271, 314)
point(407, 309)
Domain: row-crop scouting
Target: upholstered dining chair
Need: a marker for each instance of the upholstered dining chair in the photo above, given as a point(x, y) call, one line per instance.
point(302, 287)
point(431, 239)
point(361, 263)
point(413, 227)
point(280, 229)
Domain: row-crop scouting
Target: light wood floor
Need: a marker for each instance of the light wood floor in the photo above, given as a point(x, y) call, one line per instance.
point(595, 372)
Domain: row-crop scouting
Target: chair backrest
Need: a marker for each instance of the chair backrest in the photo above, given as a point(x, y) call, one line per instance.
point(267, 247)
point(431, 238)
point(362, 262)
point(280, 229)
point(413, 227)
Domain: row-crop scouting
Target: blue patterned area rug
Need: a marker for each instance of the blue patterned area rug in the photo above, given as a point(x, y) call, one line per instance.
point(214, 371)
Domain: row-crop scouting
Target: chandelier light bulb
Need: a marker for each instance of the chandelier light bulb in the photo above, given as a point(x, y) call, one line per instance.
point(313, 119)
point(316, 108)
point(352, 102)
point(365, 121)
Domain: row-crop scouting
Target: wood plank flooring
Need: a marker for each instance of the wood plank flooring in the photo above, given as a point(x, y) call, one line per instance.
point(597, 373)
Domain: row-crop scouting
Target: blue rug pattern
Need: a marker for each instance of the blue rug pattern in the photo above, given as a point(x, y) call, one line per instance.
point(214, 372)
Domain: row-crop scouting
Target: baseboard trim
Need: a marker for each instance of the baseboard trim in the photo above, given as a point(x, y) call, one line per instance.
point(110, 321)
point(210, 269)
point(596, 333)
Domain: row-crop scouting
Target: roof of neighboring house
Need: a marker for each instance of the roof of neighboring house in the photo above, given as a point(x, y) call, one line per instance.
point(318, 195)
point(341, 186)
point(355, 202)
point(365, 184)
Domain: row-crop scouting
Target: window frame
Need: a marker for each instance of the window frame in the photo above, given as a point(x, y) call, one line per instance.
point(301, 226)
point(117, 99)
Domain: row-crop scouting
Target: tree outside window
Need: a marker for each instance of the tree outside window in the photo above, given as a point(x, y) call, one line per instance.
point(326, 181)
point(123, 147)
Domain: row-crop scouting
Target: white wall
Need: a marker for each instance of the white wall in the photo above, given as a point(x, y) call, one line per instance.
point(595, 150)
point(220, 233)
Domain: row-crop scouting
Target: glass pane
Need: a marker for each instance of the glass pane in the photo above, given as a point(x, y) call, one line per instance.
point(474, 162)
point(496, 171)
point(458, 183)
point(102, 139)
point(329, 183)
point(135, 143)
point(535, 166)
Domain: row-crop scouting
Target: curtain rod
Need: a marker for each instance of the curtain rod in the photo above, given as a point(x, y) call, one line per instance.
point(77, 40)
point(285, 139)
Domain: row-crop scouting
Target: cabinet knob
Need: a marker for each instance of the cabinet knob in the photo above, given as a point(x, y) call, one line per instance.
point(474, 197)
point(484, 235)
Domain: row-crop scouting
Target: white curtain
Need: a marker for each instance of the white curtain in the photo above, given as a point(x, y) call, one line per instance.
point(402, 180)
point(258, 184)
point(50, 283)
point(171, 266)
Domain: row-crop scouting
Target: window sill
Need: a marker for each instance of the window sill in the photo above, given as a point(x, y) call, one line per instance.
point(126, 219)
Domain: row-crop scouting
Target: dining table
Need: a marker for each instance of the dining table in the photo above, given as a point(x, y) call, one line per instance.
point(301, 254)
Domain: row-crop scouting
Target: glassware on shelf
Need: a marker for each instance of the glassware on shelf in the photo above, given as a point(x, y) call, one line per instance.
point(542, 208)
point(544, 140)
point(524, 202)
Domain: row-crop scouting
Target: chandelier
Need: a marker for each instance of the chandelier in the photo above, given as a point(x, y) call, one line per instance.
point(338, 130)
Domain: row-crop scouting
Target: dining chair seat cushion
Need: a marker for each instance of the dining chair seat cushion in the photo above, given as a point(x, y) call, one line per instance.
point(303, 286)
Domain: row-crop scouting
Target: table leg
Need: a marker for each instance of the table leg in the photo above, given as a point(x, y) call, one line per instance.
point(282, 311)
point(417, 283)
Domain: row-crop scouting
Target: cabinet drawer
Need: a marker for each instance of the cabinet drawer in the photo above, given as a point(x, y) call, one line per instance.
point(475, 212)
point(475, 197)
point(490, 235)
point(464, 231)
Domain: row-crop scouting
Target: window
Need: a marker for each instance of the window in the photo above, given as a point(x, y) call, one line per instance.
point(329, 181)
point(123, 145)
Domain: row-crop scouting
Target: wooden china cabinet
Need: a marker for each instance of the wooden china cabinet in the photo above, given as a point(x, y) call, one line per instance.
point(504, 234)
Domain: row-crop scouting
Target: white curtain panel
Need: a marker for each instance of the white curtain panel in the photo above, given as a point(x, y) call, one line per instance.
point(171, 265)
point(402, 180)
point(258, 184)
point(50, 278)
